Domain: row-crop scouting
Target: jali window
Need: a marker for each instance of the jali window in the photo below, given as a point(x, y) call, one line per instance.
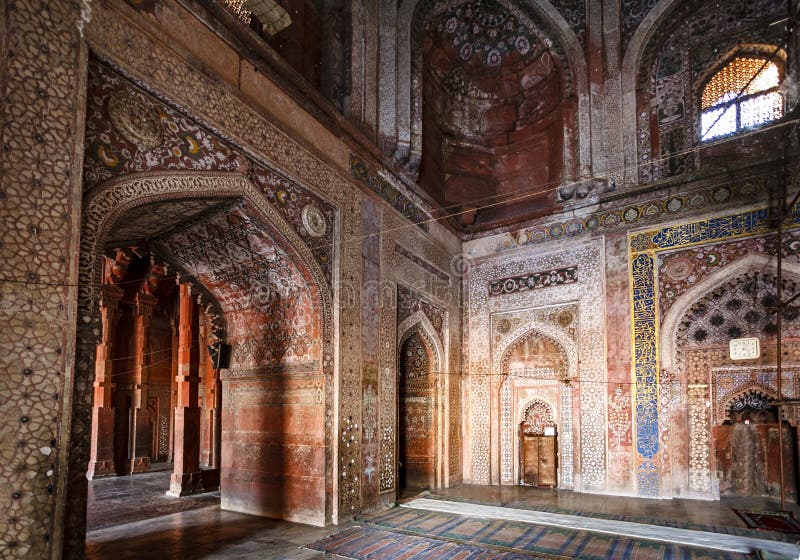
point(742, 95)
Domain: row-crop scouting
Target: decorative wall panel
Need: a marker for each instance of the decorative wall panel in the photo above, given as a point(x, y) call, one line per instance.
point(622, 217)
point(535, 353)
point(643, 252)
point(129, 130)
point(554, 312)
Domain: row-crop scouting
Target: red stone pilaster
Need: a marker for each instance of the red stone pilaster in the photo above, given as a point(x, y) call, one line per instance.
point(140, 425)
point(186, 477)
point(207, 391)
point(101, 452)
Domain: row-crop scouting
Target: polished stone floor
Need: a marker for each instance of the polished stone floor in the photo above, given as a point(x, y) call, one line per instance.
point(124, 499)
point(130, 517)
point(717, 513)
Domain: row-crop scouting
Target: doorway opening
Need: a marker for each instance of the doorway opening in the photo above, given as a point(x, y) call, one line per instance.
point(416, 467)
point(538, 441)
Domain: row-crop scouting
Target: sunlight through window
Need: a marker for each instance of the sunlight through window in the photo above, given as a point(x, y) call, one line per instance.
point(742, 95)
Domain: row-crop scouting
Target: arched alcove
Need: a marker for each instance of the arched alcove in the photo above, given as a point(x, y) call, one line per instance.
point(735, 301)
point(675, 45)
point(534, 366)
point(470, 134)
point(419, 430)
point(231, 248)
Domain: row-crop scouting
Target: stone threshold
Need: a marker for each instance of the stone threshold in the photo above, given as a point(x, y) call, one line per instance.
point(686, 537)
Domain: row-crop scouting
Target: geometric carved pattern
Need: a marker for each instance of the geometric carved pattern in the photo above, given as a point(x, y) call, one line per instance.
point(538, 415)
point(483, 29)
point(742, 307)
point(512, 316)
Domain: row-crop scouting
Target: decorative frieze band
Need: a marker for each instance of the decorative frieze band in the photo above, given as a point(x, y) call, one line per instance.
point(388, 192)
point(533, 281)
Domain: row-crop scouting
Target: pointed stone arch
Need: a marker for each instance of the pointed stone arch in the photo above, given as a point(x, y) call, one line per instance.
point(102, 208)
point(749, 263)
point(418, 324)
point(549, 388)
point(418, 321)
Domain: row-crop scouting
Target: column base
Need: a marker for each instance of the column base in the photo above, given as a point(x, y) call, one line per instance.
point(185, 484)
point(100, 469)
point(140, 464)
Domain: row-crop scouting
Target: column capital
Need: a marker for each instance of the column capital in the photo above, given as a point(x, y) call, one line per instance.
point(110, 296)
point(145, 304)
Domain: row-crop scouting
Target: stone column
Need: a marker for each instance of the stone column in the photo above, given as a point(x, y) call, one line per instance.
point(186, 477)
point(140, 425)
point(101, 452)
point(173, 387)
point(203, 391)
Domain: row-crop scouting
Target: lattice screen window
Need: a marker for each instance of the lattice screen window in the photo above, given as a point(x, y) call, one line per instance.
point(742, 95)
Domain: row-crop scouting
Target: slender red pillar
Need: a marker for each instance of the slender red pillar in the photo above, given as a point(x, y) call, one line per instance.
point(140, 425)
point(101, 451)
point(207, 391)
point(186, 477)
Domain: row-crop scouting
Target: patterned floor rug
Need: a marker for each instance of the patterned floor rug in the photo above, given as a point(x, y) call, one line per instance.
point(365, 543)
point(780, 521)
point(407, 534)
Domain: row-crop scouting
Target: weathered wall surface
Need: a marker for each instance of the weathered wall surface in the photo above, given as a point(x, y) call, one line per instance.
point(229, 118)
point(203, 121)
point(41, 81)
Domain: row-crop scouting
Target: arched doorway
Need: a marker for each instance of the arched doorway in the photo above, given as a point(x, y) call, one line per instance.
point(538, 441)
point(534, 396)
point(417, 403)
point(220, 231)
point(137, 361)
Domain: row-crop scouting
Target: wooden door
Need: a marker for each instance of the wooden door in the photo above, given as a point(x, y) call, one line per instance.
point(547, 461)
point(539, 460)
point(530, 460)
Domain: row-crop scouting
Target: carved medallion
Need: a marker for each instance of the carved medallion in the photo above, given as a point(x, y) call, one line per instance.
point(314, 220)
point(504, 326)
point(138, 123)
point(679, 268)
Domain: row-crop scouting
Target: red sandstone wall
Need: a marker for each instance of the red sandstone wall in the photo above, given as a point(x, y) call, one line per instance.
point(273, 446)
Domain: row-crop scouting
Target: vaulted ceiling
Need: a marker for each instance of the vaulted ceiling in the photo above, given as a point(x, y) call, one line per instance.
point(492, 126)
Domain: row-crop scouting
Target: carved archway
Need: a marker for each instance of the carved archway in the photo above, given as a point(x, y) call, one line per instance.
point(694, 324)
point(418, 434)
point(544, 381)
point(435, 388)
point(102, 209)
